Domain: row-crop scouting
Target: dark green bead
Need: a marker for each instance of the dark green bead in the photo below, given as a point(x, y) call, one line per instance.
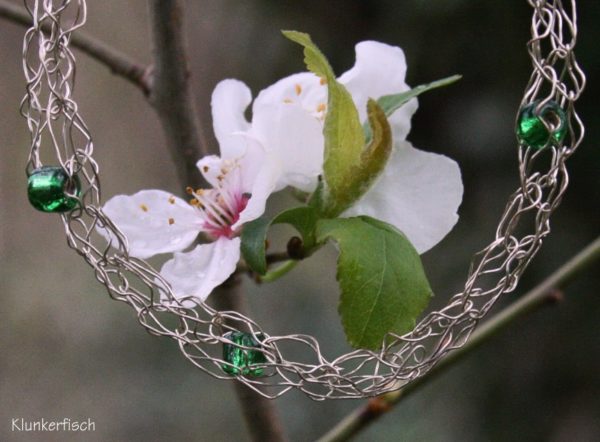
point(49, 187)
point(531, 130)
point(241, 360)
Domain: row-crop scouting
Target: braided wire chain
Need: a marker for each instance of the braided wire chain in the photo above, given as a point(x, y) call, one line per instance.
point(55, 124)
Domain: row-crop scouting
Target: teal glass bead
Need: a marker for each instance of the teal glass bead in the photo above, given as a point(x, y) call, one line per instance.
point(531, 130)
point(240, 361)
point(49, 189)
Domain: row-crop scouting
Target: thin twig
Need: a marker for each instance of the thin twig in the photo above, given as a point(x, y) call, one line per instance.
point(171, 94)
point(272, 258)
point(547, 292)
point(119, 63)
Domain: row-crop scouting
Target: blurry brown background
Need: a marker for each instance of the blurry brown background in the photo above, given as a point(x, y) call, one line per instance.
point(67, 350)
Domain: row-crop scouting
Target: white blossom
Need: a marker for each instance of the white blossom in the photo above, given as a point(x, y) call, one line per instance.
point(418, 192)
point(241, 180)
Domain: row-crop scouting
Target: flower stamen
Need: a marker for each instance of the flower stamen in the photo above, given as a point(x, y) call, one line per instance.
point(213, 208)
point(219, 207)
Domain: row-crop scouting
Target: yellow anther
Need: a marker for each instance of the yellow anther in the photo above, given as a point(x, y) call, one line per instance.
point(205, 169)
point(144, 207)
point(172, 199)
point(194, 202)
point(288, 100)
point(321, 107)
point(189, 190)
point(298, 89)
point(171, 221)
point(323, 81)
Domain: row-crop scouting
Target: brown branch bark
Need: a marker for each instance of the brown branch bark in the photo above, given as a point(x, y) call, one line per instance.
point(259, 412)
point(119, 63)
point(171, 94)
point(171, 97)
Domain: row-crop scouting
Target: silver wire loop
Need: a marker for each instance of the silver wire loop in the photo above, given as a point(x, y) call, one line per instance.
point(56, 125)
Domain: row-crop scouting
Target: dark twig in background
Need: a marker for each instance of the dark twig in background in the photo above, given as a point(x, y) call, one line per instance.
point(119, 63)
point(171, 93)
point(259, 412)
point(171, 96)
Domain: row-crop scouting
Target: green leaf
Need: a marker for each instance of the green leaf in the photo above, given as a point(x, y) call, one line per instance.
point(316, 199)
point(383, 284)
point(343, 133)
point(391, 103)
point(304, 220)
point(314, 59)
point(373, 159)
point(254, 235)
point(252, 247)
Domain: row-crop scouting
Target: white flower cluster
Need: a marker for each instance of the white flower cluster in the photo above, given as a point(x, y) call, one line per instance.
point(418, 192)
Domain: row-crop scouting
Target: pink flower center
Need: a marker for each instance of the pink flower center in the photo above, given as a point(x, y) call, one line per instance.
point(220, 209)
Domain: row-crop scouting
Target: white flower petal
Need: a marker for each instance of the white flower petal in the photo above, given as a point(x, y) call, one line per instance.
point(418, 192)
point(296, 138)
point(304, 89)
point(210, 167)
point(380, 69)
point(237, 174)
point(229, 101)
point(153, 222)
point(252, 162)
point(195, 274)
point(262, 187)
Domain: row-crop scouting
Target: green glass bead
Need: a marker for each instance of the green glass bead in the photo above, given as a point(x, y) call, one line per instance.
point(241, 360)
point(531, 130)
point(49, 189)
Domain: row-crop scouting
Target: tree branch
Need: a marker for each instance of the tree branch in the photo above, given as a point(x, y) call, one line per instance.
point(172, 99)
point(171, 95)
point(547, 292)
point(119, 63)
point(259, 412)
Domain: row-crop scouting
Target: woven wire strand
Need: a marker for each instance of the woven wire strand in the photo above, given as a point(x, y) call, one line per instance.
point(56, 125)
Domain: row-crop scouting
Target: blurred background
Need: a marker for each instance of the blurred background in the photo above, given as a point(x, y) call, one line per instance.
point(67, 350)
